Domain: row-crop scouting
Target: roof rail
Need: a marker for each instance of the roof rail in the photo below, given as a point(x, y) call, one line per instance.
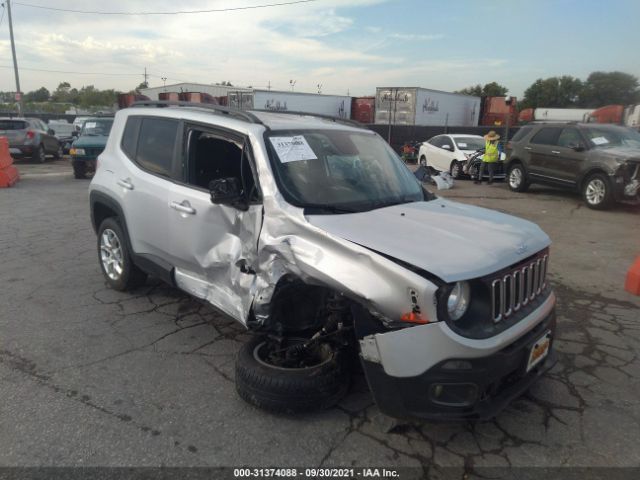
point(232, 112)
point(346, 121)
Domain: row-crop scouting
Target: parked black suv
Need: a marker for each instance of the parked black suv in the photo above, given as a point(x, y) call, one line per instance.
point(602, 162)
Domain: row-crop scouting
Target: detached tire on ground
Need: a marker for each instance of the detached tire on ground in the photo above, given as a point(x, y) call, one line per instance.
point(290, 390)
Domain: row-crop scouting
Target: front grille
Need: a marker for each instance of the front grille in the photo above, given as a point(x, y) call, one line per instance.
point(518, 287)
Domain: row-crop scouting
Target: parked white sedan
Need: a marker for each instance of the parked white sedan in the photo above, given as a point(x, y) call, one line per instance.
point(449, 153)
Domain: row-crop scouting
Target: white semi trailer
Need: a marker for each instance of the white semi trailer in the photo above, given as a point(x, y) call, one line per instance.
point(332, 105)
point(421, 106)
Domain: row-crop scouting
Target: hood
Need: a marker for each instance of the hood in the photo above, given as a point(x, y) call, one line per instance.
point(616, 153)
point(450, 240)
point(91, 141)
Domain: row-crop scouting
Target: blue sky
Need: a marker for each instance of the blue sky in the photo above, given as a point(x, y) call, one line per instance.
point(344, 45)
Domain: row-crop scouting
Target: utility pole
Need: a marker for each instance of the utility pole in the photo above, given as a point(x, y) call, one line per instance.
point(269, 85)
point(15, 61)
point(145, 75)
point(164, 83)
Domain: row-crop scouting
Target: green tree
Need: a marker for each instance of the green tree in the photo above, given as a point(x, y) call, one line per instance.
point(610, 88)
point(553, 92)
point(40, 95)
point(493, 89)
point(61, 94)
point(143, 85)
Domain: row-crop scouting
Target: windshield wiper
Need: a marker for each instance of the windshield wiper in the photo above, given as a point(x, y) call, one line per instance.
point(320, 207)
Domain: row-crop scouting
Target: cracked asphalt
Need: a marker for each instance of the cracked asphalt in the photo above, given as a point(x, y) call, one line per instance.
point(94, 377)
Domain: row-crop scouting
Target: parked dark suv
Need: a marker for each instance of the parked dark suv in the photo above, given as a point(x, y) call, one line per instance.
point(602, 162)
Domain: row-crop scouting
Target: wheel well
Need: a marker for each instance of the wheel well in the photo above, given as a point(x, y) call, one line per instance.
point(102, 212)
point(591, 173)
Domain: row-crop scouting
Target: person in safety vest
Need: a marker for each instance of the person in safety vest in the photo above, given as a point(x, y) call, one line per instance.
point(490, 157)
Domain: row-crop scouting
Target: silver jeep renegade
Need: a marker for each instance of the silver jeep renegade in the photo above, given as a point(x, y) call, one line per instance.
point(313, 234)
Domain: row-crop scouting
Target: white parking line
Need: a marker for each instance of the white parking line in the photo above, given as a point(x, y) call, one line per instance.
point(52, 174)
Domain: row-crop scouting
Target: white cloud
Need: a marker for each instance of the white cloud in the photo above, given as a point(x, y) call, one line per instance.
point(416, 36)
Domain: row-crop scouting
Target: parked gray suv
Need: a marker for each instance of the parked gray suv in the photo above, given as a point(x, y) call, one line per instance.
point(602, 162)
point(30, 137)
point(310, 232)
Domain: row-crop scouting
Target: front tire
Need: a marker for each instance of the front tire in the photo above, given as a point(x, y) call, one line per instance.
point(289, 389)
point(517, 178)
point(59, 153)
point(115, 258)
point(455, 170)
point(80, 170)
point(423, 161)
point(597, 192)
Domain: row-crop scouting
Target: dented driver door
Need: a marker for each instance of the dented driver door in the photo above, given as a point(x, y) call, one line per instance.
point(214, 247)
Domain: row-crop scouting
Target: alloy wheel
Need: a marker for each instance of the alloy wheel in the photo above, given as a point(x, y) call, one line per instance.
point(111, 254)
point(596, 191)
point(515, 178)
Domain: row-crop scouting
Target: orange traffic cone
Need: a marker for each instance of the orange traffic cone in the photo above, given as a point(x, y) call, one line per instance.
point(8, 173)
point(632, 283)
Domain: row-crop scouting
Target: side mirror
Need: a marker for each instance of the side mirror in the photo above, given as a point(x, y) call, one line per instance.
point(75, 133)
point(576, 147)
point(227, 191)
point(51, 131)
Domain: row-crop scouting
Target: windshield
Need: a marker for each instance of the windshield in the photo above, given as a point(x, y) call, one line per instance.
point(62, 128)
point(612, 137)
point(97, 126)
point(337, 171)
point(469, 143)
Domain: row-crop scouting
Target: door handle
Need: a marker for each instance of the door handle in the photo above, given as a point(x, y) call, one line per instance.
point(183, 207)
point(555, 152)
point(126, 183)
point(527, 148)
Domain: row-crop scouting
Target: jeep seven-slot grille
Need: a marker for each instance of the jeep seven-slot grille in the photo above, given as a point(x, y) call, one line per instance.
point(517, 288)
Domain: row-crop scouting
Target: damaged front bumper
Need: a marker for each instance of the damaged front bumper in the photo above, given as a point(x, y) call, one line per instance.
point(462, 384)
point(627, 184)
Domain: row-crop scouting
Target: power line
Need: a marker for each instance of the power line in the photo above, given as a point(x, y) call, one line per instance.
point(179, 12)
point(72, 72)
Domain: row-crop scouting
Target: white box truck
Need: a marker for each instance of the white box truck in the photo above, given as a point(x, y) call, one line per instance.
point(332, 105)
point(422, 106)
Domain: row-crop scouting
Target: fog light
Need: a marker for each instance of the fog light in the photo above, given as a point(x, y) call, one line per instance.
point(454, 394)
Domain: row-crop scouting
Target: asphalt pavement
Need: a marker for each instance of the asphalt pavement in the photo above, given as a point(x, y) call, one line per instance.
point(94, 377)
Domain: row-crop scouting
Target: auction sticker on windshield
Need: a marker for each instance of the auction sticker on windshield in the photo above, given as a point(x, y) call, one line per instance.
point(292, 149)
point(600, 141)
point(90, 125)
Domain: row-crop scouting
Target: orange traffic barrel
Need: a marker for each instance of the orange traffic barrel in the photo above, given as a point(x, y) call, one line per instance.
point(8, 172)
point(632, 283)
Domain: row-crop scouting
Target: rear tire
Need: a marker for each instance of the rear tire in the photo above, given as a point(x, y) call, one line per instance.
point(596, 192)
point(517, 178)
point(59, 153)
point(39, 155)
point(289, 390)
point(114, 257)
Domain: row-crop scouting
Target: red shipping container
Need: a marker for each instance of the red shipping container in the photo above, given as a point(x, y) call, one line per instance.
point(608, 114)
point(363, 109)
point(197, 97)
point(169, 96)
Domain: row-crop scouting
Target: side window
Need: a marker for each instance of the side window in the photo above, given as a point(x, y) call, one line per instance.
point(156, 144)
point(211, 156)
point(546, 136)
point(129, 142)
point(520, 134)
point(436, 142)
point(569, 138)
point(446, 142)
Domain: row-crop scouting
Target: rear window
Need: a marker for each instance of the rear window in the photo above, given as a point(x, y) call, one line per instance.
point(156, 143)
point(546, 136)
point(12, 125)
point(520, 134)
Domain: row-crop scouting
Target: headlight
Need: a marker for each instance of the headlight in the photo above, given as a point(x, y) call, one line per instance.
point(458, 301)
point(77, 151)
